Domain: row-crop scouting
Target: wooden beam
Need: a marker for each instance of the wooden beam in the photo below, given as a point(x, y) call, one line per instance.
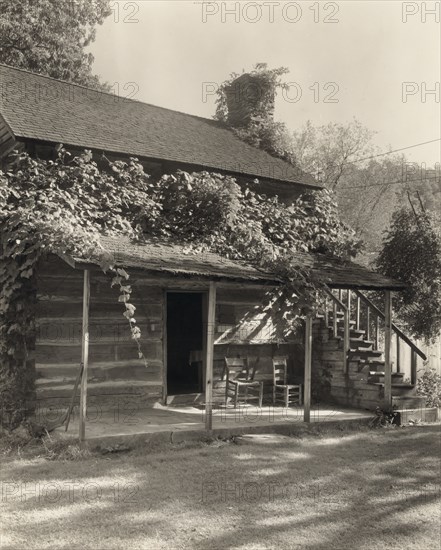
point(387, 349)
point(413, 367)
point(334, 319)
point(377, 332)
point(368, 323)
point(346, 340)
point(211, 319)
point(164, 348)
point(308, 368)
point(84, 354)
point(357, 313)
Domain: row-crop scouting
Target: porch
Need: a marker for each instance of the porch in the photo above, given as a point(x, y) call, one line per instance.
point(222, 301)
point(126, 424)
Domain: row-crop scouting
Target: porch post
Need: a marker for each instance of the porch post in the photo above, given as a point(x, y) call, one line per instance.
point(308, 364)
point(387, 349)
point(211, 319)
point(84, 354)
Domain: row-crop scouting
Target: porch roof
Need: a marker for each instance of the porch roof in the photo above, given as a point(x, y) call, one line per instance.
point(346, 274)
point(177, 259)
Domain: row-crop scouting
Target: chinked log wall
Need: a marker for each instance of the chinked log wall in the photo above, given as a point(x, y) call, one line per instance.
point(117, 378)
point(116, 374)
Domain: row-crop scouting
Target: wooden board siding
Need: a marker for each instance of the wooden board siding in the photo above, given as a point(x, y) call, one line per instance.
point(115, 371)
point(243, 330)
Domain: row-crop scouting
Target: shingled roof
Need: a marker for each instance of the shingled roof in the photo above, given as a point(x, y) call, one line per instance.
point(177, 259)
point(42, 108)
point(157, 256)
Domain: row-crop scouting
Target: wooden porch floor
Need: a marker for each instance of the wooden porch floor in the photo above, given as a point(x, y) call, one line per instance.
point(187, 422)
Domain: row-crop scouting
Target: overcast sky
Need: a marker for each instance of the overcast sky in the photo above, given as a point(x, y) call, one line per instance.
point(354, 64)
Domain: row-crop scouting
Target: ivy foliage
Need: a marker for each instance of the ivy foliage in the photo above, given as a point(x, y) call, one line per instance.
point(411, 252)
point(64, 205)
point(268, 80)
point(261, 131)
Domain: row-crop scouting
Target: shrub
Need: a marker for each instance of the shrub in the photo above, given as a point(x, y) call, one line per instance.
point(429, 386)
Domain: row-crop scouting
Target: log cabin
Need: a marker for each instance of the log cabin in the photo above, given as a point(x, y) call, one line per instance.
point(193, 311)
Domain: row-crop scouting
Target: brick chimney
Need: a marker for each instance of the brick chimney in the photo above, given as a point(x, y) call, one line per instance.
point(246, 97)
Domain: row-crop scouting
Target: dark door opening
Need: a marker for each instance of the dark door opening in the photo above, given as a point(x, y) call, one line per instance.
point(184, 342)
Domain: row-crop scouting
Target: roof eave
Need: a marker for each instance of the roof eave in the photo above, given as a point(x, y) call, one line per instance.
point(79, 264)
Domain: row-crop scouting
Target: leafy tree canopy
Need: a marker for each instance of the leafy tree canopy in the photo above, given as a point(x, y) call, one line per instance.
point(412, 253)
point(50, 37)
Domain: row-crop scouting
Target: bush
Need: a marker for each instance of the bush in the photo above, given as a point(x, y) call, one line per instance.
point(429, 386)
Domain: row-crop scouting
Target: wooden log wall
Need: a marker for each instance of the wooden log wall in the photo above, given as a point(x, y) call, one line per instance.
point(116, 374)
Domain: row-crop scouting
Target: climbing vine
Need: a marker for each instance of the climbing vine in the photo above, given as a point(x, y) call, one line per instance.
point(261, 131)
point(64, 205)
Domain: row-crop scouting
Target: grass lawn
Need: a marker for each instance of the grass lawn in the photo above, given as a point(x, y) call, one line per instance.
point(366, 489)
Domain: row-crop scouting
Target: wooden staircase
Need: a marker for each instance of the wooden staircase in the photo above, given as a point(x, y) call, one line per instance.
point(358, 378)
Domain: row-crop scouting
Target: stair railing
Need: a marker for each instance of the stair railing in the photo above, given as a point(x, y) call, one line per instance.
point(372, 308)
point(372, 311)
point(337, 306)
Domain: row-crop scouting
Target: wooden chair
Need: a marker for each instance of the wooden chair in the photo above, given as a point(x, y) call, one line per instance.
point(288, 393)
point(238, 377)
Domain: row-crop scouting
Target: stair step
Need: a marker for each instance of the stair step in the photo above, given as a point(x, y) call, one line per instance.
point(398, 389)
point(340, 324)
point(408, 402)
point(361, 343)
point(353, 333)
point(378, 376)
point(363, 353)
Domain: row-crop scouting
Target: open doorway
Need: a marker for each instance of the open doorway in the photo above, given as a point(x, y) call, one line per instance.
point(185, 342)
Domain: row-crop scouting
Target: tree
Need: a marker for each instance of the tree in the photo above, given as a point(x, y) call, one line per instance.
point(328, 151)
point(50, 37)
point(412, 253)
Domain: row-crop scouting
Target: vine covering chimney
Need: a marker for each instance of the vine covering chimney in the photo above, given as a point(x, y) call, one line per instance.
point(249, 97)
